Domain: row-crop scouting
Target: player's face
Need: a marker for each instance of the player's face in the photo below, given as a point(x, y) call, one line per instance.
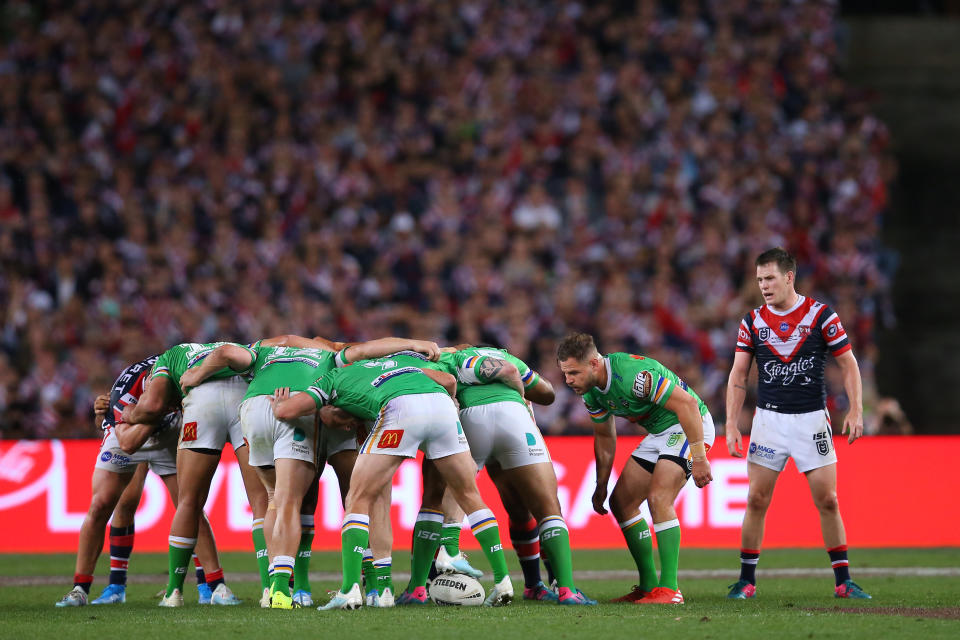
point(775, 286)
point(579, 375)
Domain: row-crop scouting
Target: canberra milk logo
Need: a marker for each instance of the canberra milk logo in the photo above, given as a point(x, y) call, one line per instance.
point(787, 373)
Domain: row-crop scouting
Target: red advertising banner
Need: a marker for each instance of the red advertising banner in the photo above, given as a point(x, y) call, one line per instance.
point(45, 490)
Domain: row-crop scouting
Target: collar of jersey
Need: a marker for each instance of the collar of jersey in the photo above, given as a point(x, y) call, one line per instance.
point(606, 389)
point(800, 300)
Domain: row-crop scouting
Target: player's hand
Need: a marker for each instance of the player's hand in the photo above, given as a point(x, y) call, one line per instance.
point(190, 379)
point(101, 405)
point(279, 395)
point(701, 472)
point(127, 412)
point(853, 424)
point(599, 497)
point(427, 348)
point(734, 441)
point(337, 418)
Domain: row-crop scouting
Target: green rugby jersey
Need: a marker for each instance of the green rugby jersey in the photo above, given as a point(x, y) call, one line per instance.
point(173, 362)
point(637, 388)
point(277, 367)
point(364, 387)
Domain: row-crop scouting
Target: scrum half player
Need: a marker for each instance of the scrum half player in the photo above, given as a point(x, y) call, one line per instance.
point(790, 336)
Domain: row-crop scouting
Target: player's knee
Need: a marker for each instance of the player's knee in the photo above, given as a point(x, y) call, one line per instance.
point(101, 507)
point(758, 500)
point(828, 503)
point(660, 501)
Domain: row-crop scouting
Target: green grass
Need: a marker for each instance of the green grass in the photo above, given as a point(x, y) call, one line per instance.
point(785, 607)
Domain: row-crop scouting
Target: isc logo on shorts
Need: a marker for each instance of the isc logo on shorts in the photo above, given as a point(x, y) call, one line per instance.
point(390, 439)
point(189, 432)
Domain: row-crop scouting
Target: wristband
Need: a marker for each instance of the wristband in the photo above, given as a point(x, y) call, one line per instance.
point(698, 451)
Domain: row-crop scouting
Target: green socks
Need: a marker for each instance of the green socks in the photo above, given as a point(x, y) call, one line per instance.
point(280, 571)
point(555, 540)
point(637, 534)
point(354, 538)
point(301, 566)
point(263, 559)
point(426, 539)
point(487, 532)
point(178, 557)
point(668, 544)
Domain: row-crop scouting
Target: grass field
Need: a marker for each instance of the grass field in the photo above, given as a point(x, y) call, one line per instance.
point(790, 604)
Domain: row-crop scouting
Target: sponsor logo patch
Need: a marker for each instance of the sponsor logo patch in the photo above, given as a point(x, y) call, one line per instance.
point(189, 432)
point(760, 451)
point(832, 331)
point(531, 440)
point(823, 442)
point(784, 326)
point(743, 335)
point(764, 334)
point(298, 435)
point(390, 439)
point(673, 440)
point(105, 456)
point(642, 384)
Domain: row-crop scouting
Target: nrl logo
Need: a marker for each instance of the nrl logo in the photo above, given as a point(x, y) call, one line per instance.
point(764, 334)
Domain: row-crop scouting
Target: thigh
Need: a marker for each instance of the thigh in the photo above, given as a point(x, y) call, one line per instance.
point(194, 472)
point(536, 485)
point(633, 485)
point(823, 482)
point(769, 446)
point(811, 441)
point(371, 475)
point(108, 486)
point(293, 480)
point(256, 491)
point(343, 464)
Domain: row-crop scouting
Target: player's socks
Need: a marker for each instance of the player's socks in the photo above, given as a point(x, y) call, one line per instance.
point(450, 537)
point(668, 544)
point(426, 541)
point(525, 538)
point(215, 579)
point(354, 538)
point(551, 576)
point(260, 545)
point(487, 532)
point(637, 534)
point(121, 546)
point(83, 581)
point(201, 576)
point(555, 538)
point(281, 569)
point(748, 565)
point(838, 560)
point(383, 569)
point(301, 567)
point(369, 573)
point(178, 557)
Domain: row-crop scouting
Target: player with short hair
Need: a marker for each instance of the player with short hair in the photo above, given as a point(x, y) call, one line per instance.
point(680, 432)
point(790, 337)
point(413, 410)
point(503, 436)
point(210, 420)
point(127, 451)
point(284, 453)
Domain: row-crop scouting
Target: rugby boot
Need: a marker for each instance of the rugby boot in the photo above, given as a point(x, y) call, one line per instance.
point(662, 595)
point(741, 590)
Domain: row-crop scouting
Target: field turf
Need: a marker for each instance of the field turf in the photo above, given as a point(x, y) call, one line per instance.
point(903, 606)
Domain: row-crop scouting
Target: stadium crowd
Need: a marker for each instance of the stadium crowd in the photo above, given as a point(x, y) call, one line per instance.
point(470, 171)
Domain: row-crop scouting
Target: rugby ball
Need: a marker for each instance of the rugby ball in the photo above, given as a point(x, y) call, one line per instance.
point(457, 590)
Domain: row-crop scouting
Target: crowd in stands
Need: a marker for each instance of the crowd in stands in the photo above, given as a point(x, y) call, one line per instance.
point(468, 171)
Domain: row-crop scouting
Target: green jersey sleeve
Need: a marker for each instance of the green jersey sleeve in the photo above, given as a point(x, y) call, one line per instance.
point(322, 391)
point(598, 413)
point(652, 386)
point(162, 366)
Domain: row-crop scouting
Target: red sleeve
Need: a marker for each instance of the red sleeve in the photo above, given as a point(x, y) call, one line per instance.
point(744, 335)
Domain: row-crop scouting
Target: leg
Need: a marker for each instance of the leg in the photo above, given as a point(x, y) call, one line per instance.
point(258, 499)
point(107, 488)
point(823, 488)
point(763, 480)
point(380, 571)
point(629, 493)
point(524, 534)
point(122, 536)
point(452, 522)
point(668, 479)
point(293, 478)
point(301, 565)
point(195, 470)
point(426, 531)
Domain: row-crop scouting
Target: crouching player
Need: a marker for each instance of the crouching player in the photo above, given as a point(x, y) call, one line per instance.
point(680, 432)
point(117, 485)
point(412, 410)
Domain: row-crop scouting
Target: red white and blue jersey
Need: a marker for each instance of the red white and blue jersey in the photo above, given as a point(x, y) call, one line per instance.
point(127, 389)
point(791, 350)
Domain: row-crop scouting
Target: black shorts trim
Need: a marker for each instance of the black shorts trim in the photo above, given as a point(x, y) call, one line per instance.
point(682, 462)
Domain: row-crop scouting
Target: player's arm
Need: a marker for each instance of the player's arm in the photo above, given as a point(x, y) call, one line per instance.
point(226, 355)
point(385, 346)
point(604, 449)
point(540, 392)
point(287, 407)
point(131, 437)
point(492, 369)
point(736, 394)
point(688, 413)
point(852, 384)
point(337, 418)
point(154, 402)
point(444, 379)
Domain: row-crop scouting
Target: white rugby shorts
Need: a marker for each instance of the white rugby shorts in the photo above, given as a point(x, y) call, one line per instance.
point(673, 442)
point(424, 421)
point(805, 437)
point(270, 439)
point(159, 452)
point(211, 414)
point(503, 432)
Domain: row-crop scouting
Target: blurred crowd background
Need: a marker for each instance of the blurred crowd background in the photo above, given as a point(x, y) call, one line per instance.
point(468, 171)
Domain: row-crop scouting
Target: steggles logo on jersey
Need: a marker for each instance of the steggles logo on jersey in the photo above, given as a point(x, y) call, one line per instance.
point(787, 373)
